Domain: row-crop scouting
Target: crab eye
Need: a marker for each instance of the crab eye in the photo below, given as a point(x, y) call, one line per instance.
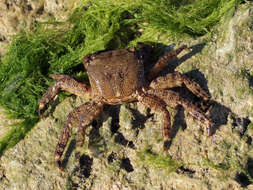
point(87, 59)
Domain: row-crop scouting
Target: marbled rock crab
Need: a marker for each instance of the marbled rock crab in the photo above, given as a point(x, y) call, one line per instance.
point(116, 77)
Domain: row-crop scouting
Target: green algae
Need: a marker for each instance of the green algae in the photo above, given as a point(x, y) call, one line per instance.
point(208, 163)
point(159, 161)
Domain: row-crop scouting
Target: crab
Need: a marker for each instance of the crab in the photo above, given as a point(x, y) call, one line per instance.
point(116, 77)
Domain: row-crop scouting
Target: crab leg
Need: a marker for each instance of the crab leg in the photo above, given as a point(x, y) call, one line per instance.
point(83, 116)
point(158, 106)
point(163, 61)
point(172, 99)
point(66, 83)
point(176, 79)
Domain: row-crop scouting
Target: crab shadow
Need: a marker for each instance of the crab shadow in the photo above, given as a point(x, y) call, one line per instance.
point(95, 138)
point(138, 123)
point(218, 115)
point(162, 49)
point(217, 112)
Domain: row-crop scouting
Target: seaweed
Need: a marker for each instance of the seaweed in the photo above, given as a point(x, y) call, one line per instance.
point(159, 161)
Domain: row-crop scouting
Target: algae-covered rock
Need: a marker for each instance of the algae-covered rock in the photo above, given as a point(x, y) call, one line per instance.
point(17, 15)
point(123, 148)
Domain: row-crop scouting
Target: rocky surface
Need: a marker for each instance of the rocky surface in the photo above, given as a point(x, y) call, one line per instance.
point(123, 148)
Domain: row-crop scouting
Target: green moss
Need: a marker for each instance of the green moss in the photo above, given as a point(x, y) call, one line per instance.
point(159, 162)
point(58, 47)
point(222, 166)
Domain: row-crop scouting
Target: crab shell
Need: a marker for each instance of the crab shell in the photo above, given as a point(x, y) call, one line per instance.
point(115, 75)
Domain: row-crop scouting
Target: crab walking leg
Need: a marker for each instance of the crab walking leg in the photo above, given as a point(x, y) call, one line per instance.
point(172, 99)
point(66, 83)
point(160, 107)
point(163, 61)
point(83, 116)
point(176, 79)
